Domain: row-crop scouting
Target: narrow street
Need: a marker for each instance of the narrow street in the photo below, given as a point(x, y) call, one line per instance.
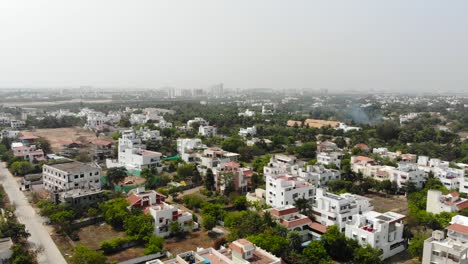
point(40, 237)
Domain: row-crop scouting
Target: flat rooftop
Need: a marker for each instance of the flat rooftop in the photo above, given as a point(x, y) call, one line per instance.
point(73, 166)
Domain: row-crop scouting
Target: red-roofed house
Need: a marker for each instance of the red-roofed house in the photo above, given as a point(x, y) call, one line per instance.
point(139, 198)
point(238, 176)
point(362, 147)
point(28, 140)
point(29, 153)
point(70, 148)
point(291, 219)
point(102, 149)
point(438, 203)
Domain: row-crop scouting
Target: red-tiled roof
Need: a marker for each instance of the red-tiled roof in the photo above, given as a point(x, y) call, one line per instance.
point(462, 205)
point(149, 153)
point(318, 227)
point(363, 158)
point(362, 146)
point(102, 142)
point(455, 194)
point(232, 164)
point(132, 199)
point(295, 222)
point(21, 148)
point(281, 212)
point(458, 228)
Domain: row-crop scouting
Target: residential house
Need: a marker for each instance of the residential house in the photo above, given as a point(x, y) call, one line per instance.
point(438, 203)
point(382, 231)
point(331, 209)
point(330, 158)
point(207, 131)
point(284, 190)
point(231, 173)
point(249, 131)
point(450, 247)
point(102, 149)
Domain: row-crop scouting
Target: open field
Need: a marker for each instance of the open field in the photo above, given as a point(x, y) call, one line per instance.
point(127, 254)
point(92, 236)
point(57, 135)
point(193, 240)
point(394, 203)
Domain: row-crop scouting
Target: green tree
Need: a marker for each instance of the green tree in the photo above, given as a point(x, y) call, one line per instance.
point(21, 168)
point(272, 243)
point(155, 244)
point(209, 180)
point(116, 175)
point(294, 241)
point(303, 205)
point(315, 252)
point(416, 246)
point(240, 203)
point(307, 150)
point(139, 226)
point(84, 255)
point(209, 222)
point(115, 212)
point(337, 245)
point(233, 144)
point(367, 255)
point(177, 230)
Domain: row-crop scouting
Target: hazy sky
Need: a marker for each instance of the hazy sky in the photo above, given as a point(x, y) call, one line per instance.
point(400, 45)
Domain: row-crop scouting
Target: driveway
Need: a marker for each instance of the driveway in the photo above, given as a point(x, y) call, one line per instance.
point(40, 237)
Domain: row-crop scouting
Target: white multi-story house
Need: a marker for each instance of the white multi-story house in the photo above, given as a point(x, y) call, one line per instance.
point(347, 128)
point(239, 177)
point(240, 251)
point(449, 249)
point(212, 157)
point(197, 120)
point(146, 134)
point(379, 230)
point(329, 158)
point(331, 209)
point(133, 156)
point(16, 124)
point(438, 203)
point(408, 172)
point(282, 164)
point(326, 146)
point(71, 175)
point(96, 121)
point(187, 149)
point(283, 190)
point(249, 131)
point(29, 153)
point(384, 153)
point(164, 214)
point(408, 117)
point(247, 113)
point(318, 174)
point(207, 131)
point(137, 119)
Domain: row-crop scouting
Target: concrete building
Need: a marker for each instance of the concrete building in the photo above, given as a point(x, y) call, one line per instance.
point(438, 203)
point(379, 230)
point(329, 158)
point(232, 174)
point(133, 155)
point(164, 214)
point(207, 131)
point(449, 249)
point(212, 157)
point(331, 209)
point(187, 149)
point(240, 251)
point(29, 153)
point(249, 131)
point(71, 175)
point(102, 150)
point(318, 174)
point(283, 190)
point(290, 218)
point(197, 120)
point(326, 146)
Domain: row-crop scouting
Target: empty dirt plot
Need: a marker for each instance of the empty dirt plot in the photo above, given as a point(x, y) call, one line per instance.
point(92, 236)
point(58, 135)
point(129, 253)
point(394, 203)
point(193, 240)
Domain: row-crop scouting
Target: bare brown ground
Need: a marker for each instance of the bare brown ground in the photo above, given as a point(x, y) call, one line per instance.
point(58, 135)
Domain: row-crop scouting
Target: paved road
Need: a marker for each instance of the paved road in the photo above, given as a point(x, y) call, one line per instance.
point(40, 237)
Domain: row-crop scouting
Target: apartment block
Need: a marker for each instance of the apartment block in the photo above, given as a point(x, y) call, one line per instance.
point(379, 230)
point(283, 190)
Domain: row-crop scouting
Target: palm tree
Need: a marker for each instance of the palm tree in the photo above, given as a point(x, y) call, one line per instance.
point(116, 175)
